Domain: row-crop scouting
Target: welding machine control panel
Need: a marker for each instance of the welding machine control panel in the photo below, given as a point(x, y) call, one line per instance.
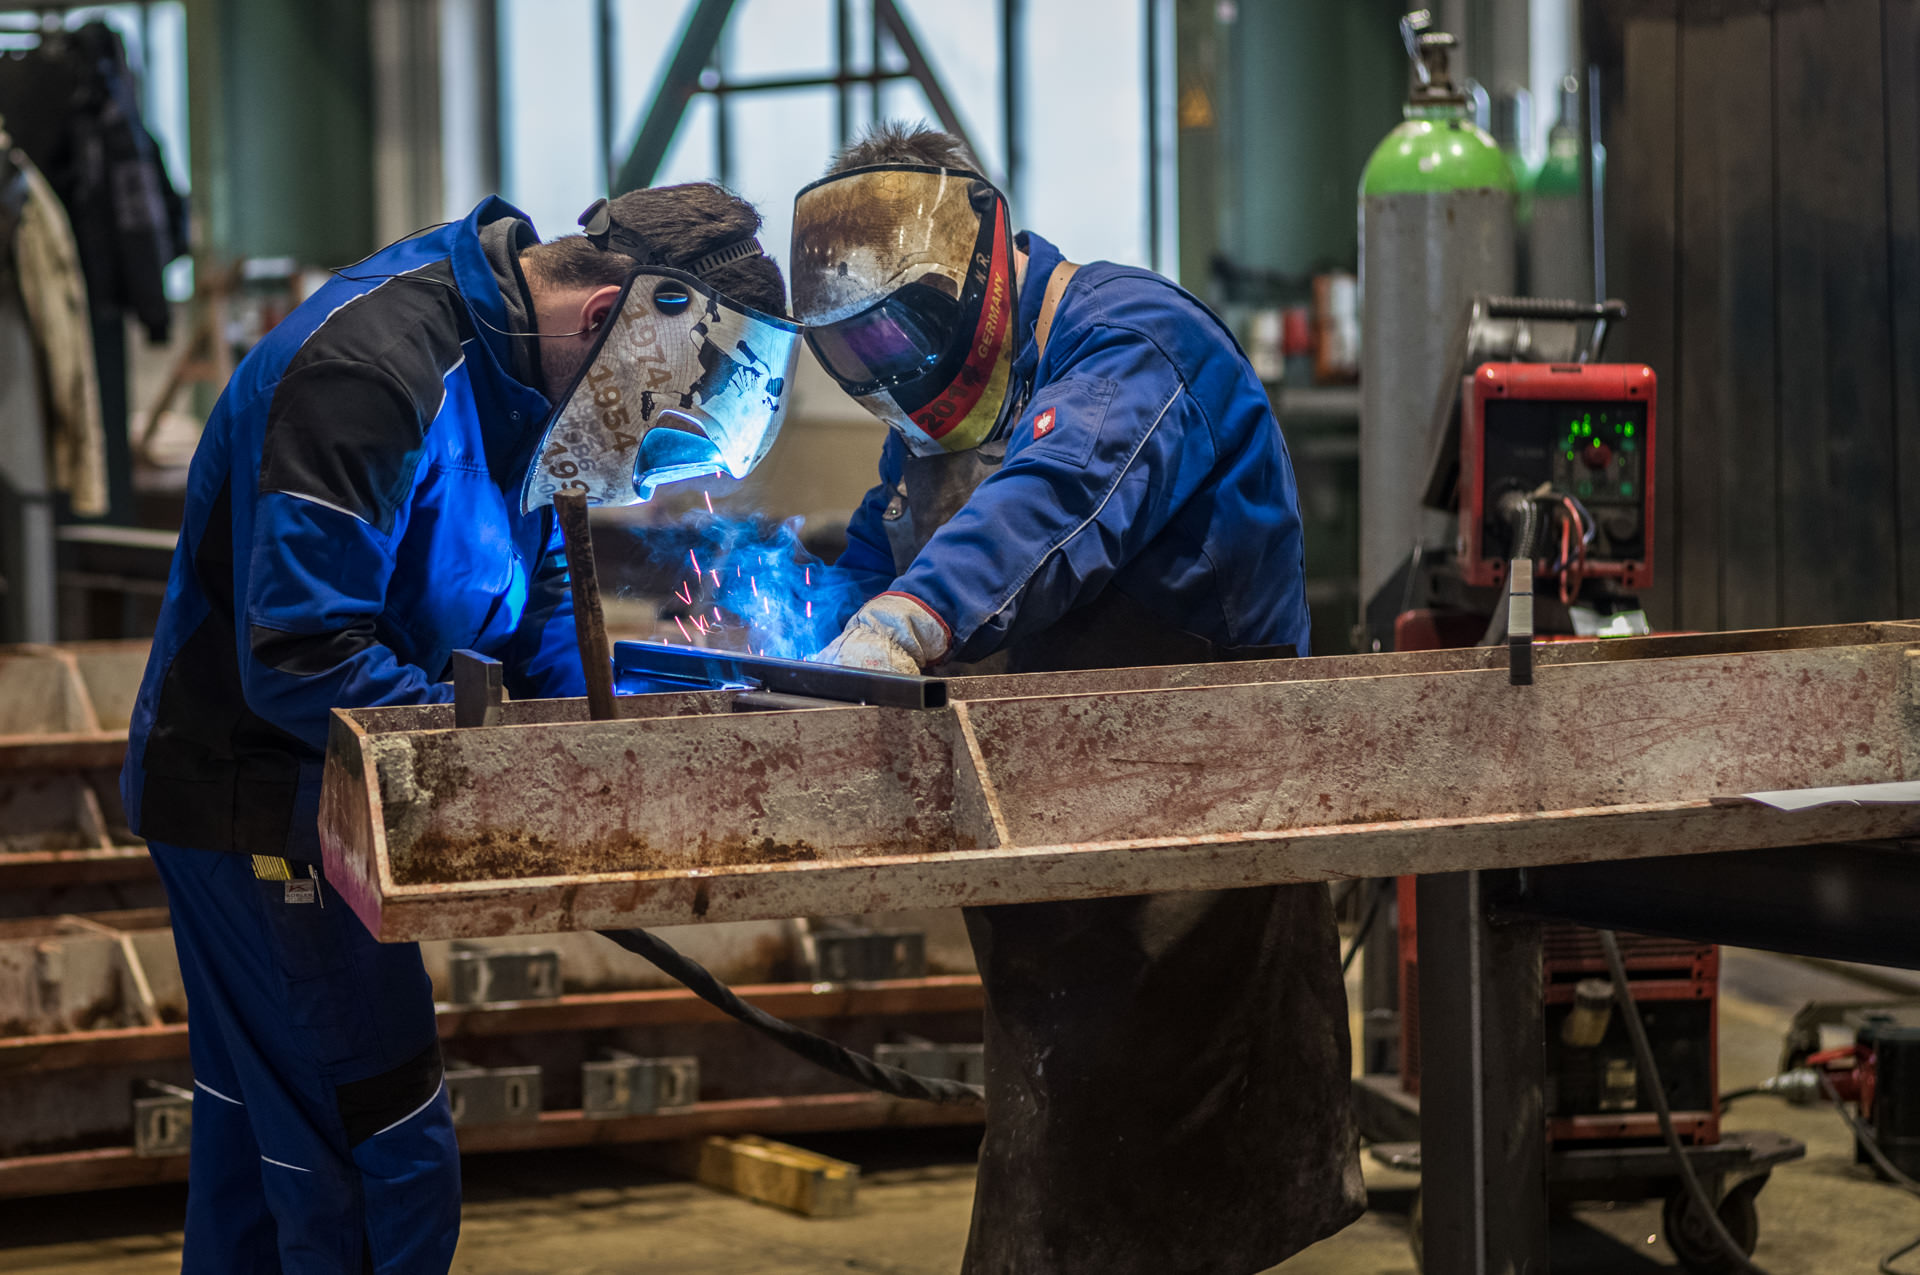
point(1587, 449)
point(1584, 430)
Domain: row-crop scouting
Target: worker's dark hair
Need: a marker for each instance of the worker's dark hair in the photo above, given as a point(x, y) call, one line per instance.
point(679, 223)
point(905, 142)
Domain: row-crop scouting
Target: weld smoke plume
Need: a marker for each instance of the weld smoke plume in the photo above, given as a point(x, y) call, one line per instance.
point(748, 584)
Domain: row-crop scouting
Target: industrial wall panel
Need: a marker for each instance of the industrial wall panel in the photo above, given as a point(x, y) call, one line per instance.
point(1902, 61)
point(1837, 489)
point(1643, 206)
point(1727, 545)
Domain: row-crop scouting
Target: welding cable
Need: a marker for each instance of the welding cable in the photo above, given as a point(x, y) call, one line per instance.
point(1380, 888)
point(1650, 1076)
point(1871, 1145)
point(817, 1050)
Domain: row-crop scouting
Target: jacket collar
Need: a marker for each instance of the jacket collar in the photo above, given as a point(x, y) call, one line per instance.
point(1042, 257)
point(513, 412)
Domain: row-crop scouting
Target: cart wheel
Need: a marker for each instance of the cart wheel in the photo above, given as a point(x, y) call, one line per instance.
point(1413, 1234)
point(1694, 1242)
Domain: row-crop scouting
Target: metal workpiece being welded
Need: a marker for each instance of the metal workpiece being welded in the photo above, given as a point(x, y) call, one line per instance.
point(1105, 783)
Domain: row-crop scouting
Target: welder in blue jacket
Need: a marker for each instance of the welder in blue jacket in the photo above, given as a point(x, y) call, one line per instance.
point(1084, 472)
point(373, 492)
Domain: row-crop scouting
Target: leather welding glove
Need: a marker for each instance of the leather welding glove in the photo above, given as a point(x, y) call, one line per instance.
point(893, 633)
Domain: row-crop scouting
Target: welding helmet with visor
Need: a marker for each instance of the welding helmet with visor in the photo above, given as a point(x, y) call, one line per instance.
point(904, 277)
point(681, 383)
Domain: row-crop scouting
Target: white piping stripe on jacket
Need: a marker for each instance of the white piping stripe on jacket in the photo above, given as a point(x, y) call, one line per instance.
point(284, 1165)
point(417, 1110)
point(201, 1084)
point(324, 504)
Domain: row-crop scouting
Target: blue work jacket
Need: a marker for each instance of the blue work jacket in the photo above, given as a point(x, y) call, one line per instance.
point(1146, 458)
point(352, 519)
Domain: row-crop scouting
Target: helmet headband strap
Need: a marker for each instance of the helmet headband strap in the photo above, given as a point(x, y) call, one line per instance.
point(609, 235)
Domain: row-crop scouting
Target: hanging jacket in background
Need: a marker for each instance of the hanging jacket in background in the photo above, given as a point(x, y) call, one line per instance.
point(73, 105)
point(53, 290)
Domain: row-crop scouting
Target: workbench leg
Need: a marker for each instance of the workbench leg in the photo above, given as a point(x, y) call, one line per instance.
point(1483, 1159)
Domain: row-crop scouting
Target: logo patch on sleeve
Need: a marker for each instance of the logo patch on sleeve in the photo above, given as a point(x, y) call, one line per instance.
point(1043, 424)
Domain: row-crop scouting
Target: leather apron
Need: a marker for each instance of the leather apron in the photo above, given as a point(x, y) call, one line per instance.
point(1167, 1074)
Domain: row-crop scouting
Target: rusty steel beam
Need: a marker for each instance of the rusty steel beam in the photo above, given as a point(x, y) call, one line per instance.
point(1090, 784)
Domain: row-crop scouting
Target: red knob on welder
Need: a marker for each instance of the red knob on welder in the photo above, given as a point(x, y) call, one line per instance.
point(1596, 455)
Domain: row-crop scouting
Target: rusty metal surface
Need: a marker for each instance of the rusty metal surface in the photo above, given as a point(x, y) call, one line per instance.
point(1088, 784)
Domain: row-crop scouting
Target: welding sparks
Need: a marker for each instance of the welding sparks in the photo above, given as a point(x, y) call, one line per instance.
point(809, 573)
point(685, 593)
point(755, 582)
point(716, 578)
point(709, 496)
point(683, 630)
point(697, 573)
point(809, 608)
point(700, 622)
point(716, 615)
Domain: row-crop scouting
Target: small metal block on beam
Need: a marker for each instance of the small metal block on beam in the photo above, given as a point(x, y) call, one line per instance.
point(162, 1118)
point(483, 976)
point(477, 689)
point(774, 1173)
point(496, 1095)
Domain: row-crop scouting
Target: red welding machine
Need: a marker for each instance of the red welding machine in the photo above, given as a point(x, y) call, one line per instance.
point(1579, 437)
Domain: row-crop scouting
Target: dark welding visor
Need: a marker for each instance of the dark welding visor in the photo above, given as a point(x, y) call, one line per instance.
point(898, 339)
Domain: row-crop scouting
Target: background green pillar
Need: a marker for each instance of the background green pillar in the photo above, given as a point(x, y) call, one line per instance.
point(281, 102)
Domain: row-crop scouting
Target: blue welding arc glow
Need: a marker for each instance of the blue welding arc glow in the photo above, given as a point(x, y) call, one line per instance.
point(748, 585)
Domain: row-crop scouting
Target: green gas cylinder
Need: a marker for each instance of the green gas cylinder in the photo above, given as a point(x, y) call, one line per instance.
point(1559, 249)
point(1436, 226)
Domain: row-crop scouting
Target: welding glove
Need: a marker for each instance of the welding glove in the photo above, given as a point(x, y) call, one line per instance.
point(894, 633)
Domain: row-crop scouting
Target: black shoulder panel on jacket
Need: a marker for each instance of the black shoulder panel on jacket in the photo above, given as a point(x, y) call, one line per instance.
point(347, 425)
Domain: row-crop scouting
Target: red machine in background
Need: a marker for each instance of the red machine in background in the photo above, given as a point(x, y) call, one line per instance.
point(1545, 462)
point(1593, 1081)
point(1581, 437)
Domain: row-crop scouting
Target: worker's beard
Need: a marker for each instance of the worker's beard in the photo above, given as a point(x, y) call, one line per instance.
point(560, 364)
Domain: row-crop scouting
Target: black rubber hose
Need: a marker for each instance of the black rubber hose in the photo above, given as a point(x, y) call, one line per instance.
point(817, 1050)
point(1650, 1077)
point(1380, 888)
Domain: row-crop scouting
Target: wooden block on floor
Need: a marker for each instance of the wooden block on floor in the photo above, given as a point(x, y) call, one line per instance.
point(772, 1173)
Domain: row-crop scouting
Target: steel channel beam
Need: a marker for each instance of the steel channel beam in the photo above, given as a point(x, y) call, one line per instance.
point(1083, 785)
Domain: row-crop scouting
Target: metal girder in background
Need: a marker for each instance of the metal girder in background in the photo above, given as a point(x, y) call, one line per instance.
point(698, 39)
point(887, 15)
point(701, 37)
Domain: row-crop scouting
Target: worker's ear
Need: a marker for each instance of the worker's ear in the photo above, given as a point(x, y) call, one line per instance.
point(599, 304)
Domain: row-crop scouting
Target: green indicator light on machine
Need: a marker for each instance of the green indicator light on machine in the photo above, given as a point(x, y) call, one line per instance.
point(1626, 489)
point(1627, 429)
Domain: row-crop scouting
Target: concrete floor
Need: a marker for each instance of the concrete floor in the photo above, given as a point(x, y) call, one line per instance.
point(593, 1214)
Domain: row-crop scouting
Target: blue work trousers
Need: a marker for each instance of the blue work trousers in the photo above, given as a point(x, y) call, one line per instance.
point(322, 1136)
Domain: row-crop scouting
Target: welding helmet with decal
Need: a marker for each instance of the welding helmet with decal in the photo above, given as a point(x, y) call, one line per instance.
point(681, 383)
point(904, 277)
